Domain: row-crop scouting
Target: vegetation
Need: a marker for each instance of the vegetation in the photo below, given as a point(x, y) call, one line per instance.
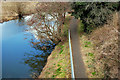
point(37, 60)
point(93, 14)
point(99, 48)
point(58, 63)
point(100, 51)
point(97, 51)
point(48, 21)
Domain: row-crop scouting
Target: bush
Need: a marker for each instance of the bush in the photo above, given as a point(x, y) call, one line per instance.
point(93, 14)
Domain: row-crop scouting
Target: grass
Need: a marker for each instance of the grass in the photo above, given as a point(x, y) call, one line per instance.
point(88, 54)
point(100, 51)
point(65, 28)
point(80, 27)
point(92, 47)
point(58, 65)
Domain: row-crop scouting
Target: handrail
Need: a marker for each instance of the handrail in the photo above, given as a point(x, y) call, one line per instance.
point(71, 58)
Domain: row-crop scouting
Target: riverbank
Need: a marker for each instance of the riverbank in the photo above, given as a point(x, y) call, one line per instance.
point(98, 49)
point(11, 10)
point(58, 63)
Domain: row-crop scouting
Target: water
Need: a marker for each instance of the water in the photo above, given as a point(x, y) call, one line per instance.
point(19, 59)
point(13, 48)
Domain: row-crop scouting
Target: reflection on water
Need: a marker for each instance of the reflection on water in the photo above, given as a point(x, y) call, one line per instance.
point(20, 58)
point(37, 61)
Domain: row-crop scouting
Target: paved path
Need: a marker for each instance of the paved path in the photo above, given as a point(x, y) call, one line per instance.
point(79, 69)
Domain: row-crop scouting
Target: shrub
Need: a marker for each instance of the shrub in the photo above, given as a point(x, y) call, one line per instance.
point(93, 14)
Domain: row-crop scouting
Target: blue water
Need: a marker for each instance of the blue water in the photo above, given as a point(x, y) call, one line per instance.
point(13, 48)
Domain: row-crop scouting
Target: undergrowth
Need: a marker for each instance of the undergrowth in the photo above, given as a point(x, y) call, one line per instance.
point(100, 50)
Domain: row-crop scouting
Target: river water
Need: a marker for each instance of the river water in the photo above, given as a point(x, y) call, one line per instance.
point(19, 59)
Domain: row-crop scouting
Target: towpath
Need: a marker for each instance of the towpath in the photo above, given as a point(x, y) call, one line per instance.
point(79, 69)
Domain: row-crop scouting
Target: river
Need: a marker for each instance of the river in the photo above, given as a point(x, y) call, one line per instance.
point(19, 59)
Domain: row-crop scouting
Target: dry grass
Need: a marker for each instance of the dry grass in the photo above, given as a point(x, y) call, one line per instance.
point(58, 63)
point(101, 53)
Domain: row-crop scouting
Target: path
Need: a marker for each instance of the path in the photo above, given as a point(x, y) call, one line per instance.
point(79, 69)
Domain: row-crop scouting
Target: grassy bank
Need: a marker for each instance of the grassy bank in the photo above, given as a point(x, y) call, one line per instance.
point(100, 50)
point(58, 63)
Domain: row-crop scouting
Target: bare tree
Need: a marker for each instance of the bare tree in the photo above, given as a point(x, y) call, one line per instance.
point(48, 21)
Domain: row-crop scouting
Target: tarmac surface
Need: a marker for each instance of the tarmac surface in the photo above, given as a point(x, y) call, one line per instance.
point(79, 69)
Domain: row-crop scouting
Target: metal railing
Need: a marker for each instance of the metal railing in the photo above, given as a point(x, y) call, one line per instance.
point(71, 58)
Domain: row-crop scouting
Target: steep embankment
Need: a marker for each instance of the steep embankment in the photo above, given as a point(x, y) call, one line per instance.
point(58, 63)
point(100, 50)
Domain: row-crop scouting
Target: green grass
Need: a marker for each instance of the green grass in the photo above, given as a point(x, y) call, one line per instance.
point(61, 52)
point(59, 60)
point(93, 73)
point(58, 64)
point(80, 27)
point(87, 44)
point(66, 27)
point(90, 54)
